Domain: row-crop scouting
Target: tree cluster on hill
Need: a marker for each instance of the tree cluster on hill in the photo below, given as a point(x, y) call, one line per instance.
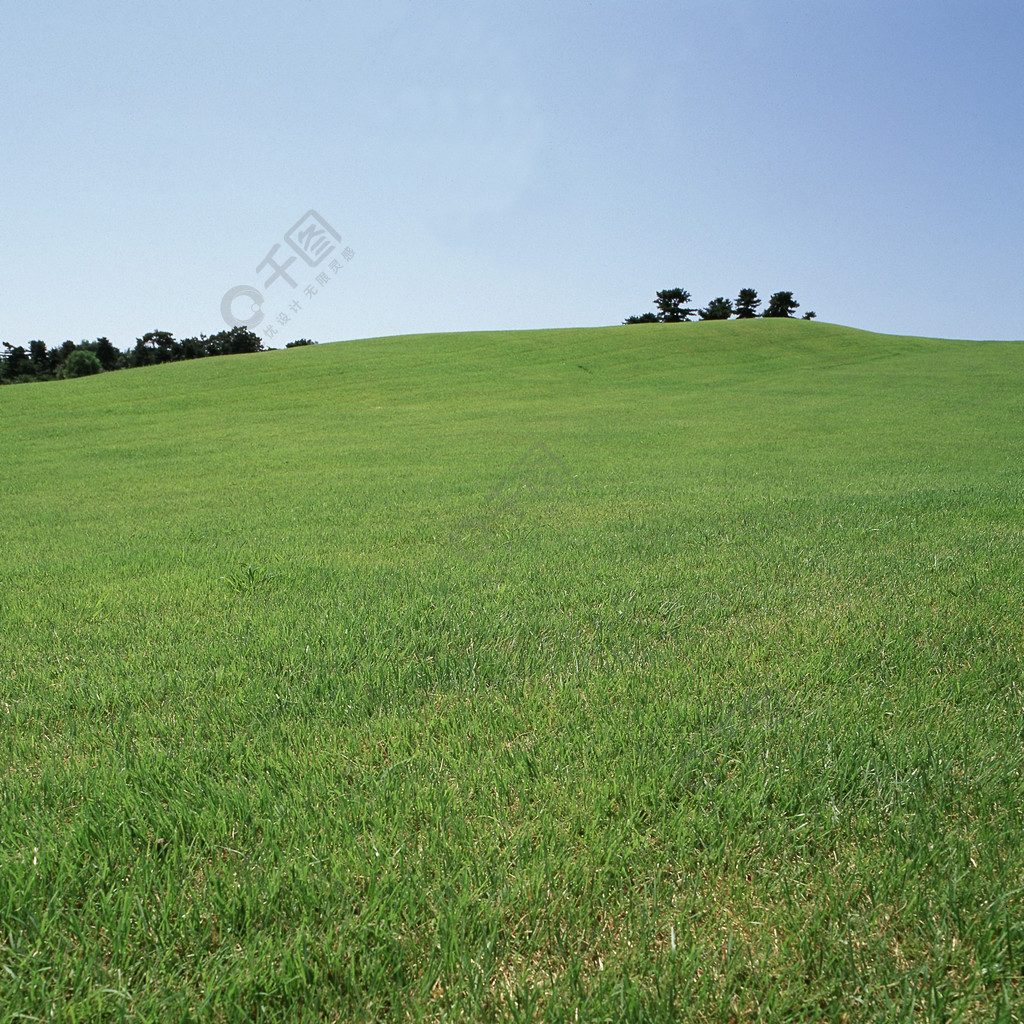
point(20, 365)
point(673, 308)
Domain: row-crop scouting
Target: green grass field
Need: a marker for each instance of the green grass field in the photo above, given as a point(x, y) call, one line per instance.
point(668, 672)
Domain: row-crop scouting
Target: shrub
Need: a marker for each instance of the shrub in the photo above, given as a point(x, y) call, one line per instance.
point(82, 364)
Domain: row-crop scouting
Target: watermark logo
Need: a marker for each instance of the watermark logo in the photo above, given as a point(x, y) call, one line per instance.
point(313, 241)
point(311, 237)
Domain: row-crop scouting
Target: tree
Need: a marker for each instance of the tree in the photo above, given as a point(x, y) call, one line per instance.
point(299, 343)
point(82, 363)
point(671, 303)
point(195, 348)
point(16, 366)
point(643, 318)
point(108, 356)
point(781, 304)
point(154, 347)
point(163, 345)
point(234, 342)
point(716, 309)
point(746, 304)
point(40, 358)
point(809, 315)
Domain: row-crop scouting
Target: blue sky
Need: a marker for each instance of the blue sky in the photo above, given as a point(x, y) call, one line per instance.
point(509, 165)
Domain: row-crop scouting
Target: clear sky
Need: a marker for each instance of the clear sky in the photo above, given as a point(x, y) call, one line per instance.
point(537, 163)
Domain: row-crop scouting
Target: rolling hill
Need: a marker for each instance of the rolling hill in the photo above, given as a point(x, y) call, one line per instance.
point(637, 673)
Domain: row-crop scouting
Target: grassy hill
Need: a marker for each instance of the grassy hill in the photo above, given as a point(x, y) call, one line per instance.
point(637, 673)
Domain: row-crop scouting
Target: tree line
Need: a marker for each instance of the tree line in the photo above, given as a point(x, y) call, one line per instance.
point(19, 364)
point(673, 308)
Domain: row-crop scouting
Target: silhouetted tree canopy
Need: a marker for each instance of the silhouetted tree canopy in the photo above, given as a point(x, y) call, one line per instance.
point(717, 309)
point(781, 304)
point(746, 304)
point(672, 306)
point(18, 365)
point(673, 309)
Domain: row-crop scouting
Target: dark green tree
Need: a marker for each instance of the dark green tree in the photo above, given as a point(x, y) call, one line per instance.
point(643, 318)
point(142, 354)
point(195, 348)
point(234, 342)
point(109, 357)
point(781, 304)
point(299, 343)
point(155, 347)
point(809, 315)
point(16, 365)
point(162, 343)
point(672, 308)
point(746, 304)
point(82, 363)
point(40, 359)
point(716, 309)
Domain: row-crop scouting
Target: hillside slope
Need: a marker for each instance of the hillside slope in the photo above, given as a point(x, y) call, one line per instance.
point(647, 672)
point(706, 410)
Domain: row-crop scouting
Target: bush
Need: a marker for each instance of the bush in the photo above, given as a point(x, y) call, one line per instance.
point(82, 364)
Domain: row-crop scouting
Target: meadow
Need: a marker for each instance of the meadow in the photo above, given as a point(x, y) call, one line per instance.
point(646, 673)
